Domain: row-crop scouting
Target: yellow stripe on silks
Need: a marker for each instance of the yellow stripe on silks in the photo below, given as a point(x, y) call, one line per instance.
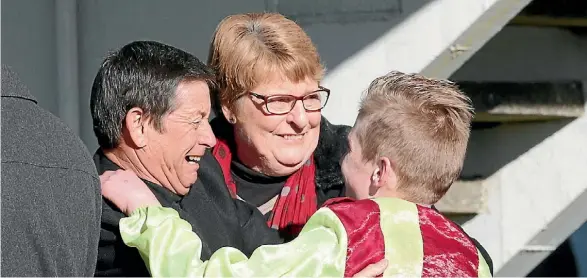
point(483, 268)
point(404, 248)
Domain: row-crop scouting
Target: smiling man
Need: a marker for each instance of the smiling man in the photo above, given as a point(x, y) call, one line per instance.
point(150, 105)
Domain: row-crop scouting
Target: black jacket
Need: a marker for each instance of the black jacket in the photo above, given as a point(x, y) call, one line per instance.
point(332, 146)
point(50, 191)
point(218, 219)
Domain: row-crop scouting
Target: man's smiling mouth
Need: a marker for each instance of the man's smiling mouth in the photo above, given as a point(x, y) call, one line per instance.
point(192, 159)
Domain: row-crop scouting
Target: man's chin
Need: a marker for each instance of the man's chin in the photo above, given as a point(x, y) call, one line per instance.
point(185, 186)
point(182, 191)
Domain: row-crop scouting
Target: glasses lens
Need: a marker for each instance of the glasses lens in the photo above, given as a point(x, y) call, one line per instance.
point(316, 100)
point(280, 104)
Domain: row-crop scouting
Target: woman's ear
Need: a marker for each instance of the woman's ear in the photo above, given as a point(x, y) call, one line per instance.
point(230, 117)
point(134, 128)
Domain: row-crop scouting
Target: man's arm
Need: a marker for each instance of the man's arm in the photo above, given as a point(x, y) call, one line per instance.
point(170, 248)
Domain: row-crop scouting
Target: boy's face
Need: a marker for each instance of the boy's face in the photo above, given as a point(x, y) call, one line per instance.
point(357, 172)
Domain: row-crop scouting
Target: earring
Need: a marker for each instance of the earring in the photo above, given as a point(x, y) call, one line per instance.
point(232, 120)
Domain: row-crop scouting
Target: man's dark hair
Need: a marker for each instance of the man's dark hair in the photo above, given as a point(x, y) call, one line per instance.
point(142, 74)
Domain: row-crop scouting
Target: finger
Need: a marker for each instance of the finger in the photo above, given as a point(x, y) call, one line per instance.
point(107, 174)
point(373, 270)
point(104, 179)
point(125, 174)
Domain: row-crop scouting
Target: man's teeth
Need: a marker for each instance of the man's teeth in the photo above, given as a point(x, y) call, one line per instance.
point(192, 159)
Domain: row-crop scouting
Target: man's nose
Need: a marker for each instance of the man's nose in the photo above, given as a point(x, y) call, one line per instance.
point(207, 137)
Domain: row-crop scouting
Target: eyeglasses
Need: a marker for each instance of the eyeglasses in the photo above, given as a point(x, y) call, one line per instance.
point(283, 104)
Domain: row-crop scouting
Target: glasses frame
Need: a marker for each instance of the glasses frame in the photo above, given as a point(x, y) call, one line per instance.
point(266, 99)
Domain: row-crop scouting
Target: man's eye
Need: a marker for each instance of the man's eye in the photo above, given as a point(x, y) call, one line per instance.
point(196, 123)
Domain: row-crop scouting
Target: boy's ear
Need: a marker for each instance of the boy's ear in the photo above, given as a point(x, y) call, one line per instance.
point(385, 173)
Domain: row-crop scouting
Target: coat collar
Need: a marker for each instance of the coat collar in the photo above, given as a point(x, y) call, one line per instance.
point(13, 87)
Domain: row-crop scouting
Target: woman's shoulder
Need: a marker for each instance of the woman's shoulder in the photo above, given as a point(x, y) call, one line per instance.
point(331, 133)
point(332, 146)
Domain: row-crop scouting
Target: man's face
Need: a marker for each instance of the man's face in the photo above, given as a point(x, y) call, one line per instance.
point(356, 171)
point(172, 156)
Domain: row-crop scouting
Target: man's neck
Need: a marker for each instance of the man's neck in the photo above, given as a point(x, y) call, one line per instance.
point(128, 160)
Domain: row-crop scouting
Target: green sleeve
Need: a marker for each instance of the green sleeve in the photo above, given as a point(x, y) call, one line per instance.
point(170, 248)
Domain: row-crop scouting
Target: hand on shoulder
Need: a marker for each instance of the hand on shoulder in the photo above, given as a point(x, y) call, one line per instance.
point(126, 191)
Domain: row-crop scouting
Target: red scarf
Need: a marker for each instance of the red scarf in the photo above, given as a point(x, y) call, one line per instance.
point(297, 201)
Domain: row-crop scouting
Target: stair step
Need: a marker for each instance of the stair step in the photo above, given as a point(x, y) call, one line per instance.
point(464, 197)
point(525, 101)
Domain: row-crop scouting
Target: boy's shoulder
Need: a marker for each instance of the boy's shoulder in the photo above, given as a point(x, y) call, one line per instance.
point(375, 203)
point(360, 216)
point(344, 203)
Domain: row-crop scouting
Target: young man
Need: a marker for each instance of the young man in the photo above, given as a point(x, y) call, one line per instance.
point(406, 149)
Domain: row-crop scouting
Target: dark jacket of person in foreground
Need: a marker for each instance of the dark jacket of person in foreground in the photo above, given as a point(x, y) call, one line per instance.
point(51, 200)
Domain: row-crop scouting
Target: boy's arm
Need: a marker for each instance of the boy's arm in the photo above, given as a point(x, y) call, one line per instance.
point(170, 248)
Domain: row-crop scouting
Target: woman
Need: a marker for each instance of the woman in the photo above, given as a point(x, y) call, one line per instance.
point(276, 150)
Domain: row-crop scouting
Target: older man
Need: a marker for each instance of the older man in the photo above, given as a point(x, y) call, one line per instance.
point(150, 106)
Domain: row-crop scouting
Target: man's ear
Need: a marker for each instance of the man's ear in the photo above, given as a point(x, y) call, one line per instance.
point(134, 132)
point(230, 117)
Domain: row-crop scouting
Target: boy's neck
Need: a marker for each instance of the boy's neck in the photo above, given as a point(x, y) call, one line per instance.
point(394, 194)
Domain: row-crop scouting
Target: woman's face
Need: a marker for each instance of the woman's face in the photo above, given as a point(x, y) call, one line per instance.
point(275, 145)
